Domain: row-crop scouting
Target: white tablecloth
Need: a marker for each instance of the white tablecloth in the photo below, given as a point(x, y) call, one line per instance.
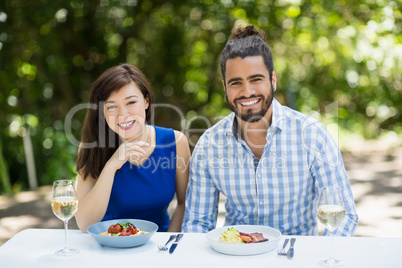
point(36, 247)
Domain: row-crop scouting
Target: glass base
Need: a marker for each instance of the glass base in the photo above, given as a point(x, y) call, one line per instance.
point(67, 251)
point(331, 263)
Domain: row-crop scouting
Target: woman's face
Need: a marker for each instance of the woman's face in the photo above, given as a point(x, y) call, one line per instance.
point(125, 111)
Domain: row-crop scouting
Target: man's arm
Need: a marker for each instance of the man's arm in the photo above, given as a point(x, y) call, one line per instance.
point(202, 197)
point(328, 169)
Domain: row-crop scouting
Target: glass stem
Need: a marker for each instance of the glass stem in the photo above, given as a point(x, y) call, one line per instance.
point(66, 234)
point(332, 245)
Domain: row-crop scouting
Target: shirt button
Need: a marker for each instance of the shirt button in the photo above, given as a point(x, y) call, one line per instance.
point(261, 203)
point(259, 175)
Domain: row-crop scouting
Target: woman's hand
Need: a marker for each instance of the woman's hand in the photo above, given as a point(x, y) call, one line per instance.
point(127, 151)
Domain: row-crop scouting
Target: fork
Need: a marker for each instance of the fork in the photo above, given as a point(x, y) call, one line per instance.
point(164, 248)
point(283, 250)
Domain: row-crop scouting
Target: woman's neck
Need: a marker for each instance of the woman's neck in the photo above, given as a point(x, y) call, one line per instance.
point(144, 137)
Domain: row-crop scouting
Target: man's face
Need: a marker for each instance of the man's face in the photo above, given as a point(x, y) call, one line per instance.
point(248, 90)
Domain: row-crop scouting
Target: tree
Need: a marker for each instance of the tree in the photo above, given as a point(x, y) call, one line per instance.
point(324, 52)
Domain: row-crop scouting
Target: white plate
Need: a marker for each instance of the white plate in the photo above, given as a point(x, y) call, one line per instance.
point(122, 241)
point(272, 234)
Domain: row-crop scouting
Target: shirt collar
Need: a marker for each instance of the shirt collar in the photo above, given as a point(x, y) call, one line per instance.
point(278, 117)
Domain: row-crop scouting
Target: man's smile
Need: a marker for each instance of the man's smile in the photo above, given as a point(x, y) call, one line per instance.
point(249, 102)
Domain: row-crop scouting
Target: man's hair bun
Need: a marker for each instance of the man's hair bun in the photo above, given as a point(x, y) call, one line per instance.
point(243, 32)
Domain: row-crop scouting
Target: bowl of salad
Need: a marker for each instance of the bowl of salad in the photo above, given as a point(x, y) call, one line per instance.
point(123, 233)
point(244, 239)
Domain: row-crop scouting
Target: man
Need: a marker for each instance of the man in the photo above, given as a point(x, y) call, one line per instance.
point(268, 160)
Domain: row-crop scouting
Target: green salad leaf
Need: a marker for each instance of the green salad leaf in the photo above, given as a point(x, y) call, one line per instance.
point(125, 225)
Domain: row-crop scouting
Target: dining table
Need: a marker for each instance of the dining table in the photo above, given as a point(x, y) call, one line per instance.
point(36, 248)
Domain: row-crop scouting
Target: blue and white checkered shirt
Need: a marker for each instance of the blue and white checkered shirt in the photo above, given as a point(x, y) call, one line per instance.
point(280, 190)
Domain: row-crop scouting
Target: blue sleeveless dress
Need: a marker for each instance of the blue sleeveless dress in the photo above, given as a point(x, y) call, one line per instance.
point(144, 192)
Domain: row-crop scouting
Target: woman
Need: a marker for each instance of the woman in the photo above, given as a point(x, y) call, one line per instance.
point(126, 168)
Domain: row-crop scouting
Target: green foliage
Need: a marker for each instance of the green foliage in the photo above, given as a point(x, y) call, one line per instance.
point(324, 51)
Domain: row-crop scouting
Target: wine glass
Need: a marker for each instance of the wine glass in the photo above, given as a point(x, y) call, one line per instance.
point(64, 206)
point(331, 212)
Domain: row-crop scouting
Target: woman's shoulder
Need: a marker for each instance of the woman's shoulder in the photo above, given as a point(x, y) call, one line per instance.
point(169, 131)
point(179, 137)
point(169, 136)
point(182, 146)
point(178, 133)
point(163, 130)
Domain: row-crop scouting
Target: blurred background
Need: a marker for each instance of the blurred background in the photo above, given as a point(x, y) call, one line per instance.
point(325, 52)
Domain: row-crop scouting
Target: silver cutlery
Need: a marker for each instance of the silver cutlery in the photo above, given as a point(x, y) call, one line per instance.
point(164, 248)
point(283, 250)
point(174, 245)
point(291, 250)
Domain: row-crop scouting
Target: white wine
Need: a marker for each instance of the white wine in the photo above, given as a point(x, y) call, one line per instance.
point(331, 216)
point(64, 207)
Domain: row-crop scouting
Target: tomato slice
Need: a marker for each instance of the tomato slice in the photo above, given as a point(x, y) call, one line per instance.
point(133, 230)
point(125, 232)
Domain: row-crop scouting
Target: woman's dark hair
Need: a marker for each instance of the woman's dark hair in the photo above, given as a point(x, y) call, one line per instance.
point(246, 42)
point(98, 141)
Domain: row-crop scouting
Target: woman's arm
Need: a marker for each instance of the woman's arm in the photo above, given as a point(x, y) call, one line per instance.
point(93, 198)
point(93, 194)
point(182, 170)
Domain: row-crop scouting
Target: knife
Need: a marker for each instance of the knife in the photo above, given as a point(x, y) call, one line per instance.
point(291, 251)
point(174, 245)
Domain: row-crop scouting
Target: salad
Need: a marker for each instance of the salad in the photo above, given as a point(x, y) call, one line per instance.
point(232, 235)
point(123, 229)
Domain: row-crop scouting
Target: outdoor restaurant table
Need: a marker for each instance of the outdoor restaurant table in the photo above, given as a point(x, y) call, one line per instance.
point(36, 248)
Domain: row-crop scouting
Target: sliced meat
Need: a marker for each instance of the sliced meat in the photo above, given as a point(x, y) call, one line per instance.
point(253, 237)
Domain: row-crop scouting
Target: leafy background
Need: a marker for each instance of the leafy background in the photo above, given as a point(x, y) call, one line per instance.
point(343, 52)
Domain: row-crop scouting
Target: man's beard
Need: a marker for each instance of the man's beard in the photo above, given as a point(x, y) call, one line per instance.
point(249, 116)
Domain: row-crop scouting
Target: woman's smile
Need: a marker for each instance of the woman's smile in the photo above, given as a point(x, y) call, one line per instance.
point(126, 125)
